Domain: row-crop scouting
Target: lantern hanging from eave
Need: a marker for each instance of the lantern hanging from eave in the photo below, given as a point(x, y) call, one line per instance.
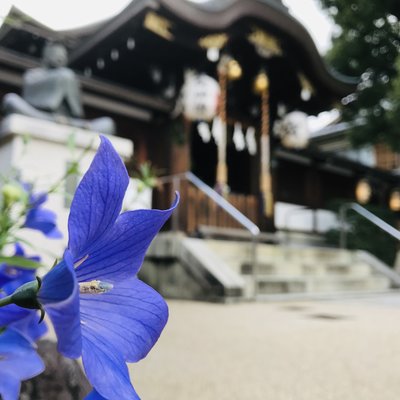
point(200, 96)
point(363, 191)
point(394, 200)
point(293, 130)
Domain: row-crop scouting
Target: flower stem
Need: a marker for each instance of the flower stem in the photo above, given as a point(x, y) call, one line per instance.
point(5, 301)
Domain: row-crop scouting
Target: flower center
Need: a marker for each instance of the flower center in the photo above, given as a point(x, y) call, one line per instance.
point(94, 287)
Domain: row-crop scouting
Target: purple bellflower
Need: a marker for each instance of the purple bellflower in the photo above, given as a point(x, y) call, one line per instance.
point(94, 395)
point(22, 319)
point(18, 361)
point(99, 308)
point(14, 276)
point(40, 218)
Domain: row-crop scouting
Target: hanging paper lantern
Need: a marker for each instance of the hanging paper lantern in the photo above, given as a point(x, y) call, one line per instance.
point(200, 97)
point(293, 130)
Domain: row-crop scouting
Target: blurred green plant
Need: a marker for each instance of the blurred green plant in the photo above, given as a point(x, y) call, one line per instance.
point(147, 176)
point(22, 207)
point(363, 235)
point(366, 44)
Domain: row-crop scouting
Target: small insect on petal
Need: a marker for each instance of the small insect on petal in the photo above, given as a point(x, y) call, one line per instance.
point(94, 287)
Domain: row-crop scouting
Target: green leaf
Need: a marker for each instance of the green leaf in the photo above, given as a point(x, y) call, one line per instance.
point(71, 142)
point(21, 262)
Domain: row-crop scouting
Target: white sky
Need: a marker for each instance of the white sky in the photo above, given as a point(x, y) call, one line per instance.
point(65, 14)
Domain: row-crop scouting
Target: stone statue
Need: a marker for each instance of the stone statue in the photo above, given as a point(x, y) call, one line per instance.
point(52, 92)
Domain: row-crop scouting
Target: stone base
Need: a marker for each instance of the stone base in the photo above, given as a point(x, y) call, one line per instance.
point(63, 379)
point(41, 152)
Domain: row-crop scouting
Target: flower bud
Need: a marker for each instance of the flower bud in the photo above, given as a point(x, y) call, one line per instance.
point(12, 193)
point(26, 295)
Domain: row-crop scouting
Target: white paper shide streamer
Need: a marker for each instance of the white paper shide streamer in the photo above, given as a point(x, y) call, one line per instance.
point(251, 140)
point(238, 137)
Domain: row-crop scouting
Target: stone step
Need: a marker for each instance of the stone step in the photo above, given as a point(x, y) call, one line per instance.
point(290, 284)
point(353, 284)
point(237, 253)
point(223, 268)
point(357, 269)
point(282, 284)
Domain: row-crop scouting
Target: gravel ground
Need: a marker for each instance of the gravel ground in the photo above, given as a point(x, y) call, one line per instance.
point(332, 350)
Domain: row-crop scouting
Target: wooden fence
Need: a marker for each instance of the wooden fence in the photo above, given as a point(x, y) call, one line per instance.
point(197, 209)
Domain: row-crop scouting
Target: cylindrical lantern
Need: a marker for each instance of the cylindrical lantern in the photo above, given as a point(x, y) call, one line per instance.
point(200, 97)
point(394, 200)
point(293, 130)
point(363, 191)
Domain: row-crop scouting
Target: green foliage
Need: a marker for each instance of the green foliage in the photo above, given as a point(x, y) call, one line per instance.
point(147, 176)
point(394, 94)
point(13, 207)
point(363, 235)
point(16, 261)
point(366, 45)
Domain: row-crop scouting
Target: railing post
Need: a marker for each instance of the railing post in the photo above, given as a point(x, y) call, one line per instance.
point(342, 223)
point(176, 185)
point(254, 263)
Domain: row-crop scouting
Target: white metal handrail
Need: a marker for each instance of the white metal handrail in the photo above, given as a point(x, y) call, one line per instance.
point(380, 223)
point(214, 196)
point(239, 217)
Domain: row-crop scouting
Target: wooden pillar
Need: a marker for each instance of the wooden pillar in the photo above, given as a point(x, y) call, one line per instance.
point(180, 151)
point(228, 69)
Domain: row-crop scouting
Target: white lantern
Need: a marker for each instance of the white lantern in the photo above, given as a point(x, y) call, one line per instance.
point(293, 130)
point(200, 97)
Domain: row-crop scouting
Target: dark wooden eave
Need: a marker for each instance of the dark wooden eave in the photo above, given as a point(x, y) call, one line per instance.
point(100, 95)
point(340, 165)
point(129, 80)
point(268, 14)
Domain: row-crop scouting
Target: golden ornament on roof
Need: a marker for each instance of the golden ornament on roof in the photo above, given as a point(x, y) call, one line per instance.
point(266, 44)
point(234, 70)
point(261, 83)
point(216, 41)
point(159, 25)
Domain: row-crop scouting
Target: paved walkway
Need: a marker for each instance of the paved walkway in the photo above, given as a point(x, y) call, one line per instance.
point(332, 350)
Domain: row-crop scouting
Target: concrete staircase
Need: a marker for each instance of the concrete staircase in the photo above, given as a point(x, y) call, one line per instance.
point(222, 269)
point(309, 270)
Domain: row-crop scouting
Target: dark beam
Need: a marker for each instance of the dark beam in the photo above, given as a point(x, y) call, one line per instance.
point(13, 65)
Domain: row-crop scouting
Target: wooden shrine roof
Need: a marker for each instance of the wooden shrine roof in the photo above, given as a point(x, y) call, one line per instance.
point(148, 45)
